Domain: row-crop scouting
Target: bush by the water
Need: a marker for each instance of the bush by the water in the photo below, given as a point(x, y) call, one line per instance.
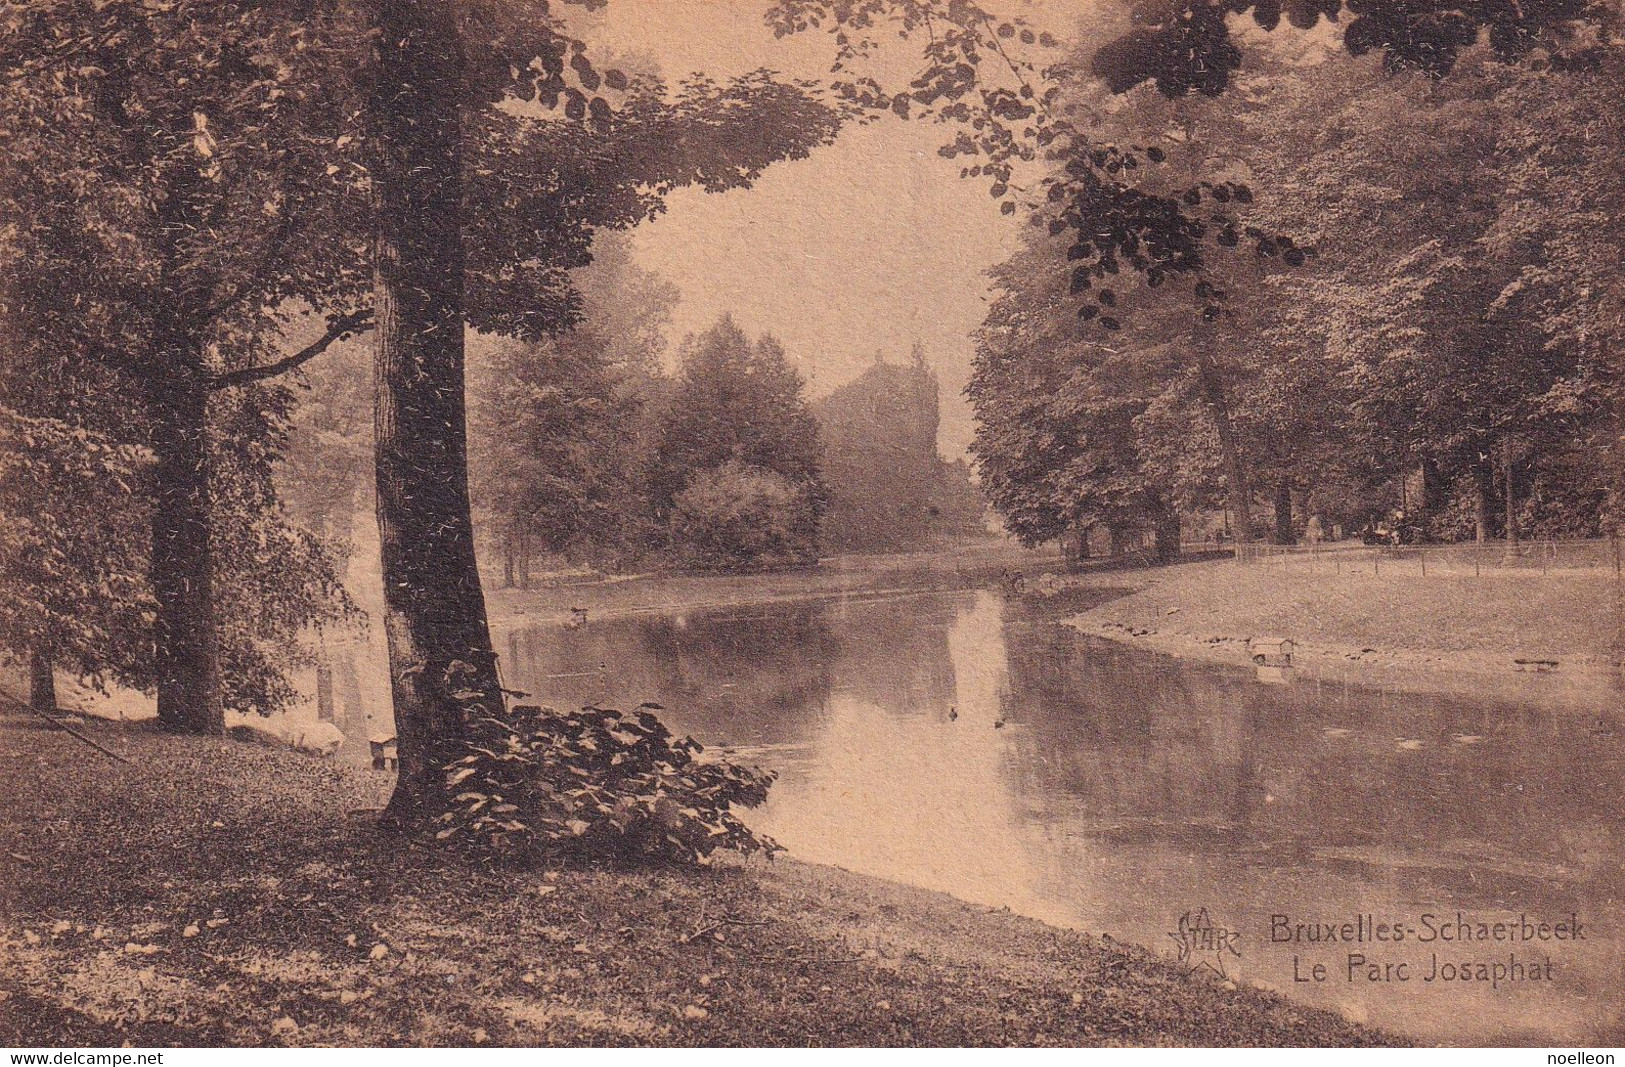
point(737, 516)
point(602, 784)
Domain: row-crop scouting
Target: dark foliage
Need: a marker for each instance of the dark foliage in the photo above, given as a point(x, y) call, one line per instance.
point(735, 416)
point(1186, 47)
point(597, 784)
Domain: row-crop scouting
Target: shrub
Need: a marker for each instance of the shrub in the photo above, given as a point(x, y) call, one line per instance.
point(737, 516)
point(600, 784)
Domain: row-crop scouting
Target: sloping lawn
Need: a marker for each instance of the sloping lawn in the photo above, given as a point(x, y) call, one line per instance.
point(215, 892)
point(1564, 614)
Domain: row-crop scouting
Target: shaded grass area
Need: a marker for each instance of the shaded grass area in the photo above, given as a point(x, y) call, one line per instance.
point(219, 893)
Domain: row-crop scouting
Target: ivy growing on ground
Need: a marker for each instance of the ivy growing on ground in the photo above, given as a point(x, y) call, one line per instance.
point(597, 784)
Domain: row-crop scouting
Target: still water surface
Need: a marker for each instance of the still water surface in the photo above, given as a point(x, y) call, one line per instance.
point(959, 742)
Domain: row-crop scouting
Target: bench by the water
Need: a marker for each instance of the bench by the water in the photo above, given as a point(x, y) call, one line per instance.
point(1271, 651)
point(384, 754)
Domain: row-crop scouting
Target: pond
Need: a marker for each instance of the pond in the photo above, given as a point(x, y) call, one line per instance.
point(966, 743)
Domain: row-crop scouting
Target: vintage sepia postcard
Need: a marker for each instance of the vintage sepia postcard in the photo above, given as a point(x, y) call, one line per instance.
point(782, 523)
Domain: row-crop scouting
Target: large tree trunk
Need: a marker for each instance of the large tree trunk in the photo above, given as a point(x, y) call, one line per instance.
point(41, 681)
point(1283, 514)
point(185, 633)
point(442, 669)
point(1240, 493)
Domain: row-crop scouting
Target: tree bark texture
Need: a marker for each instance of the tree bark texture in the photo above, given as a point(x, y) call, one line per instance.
point(442, 668)
point(1511, 517)
point(185, 633)
point(1483, 495)
point(324, 687)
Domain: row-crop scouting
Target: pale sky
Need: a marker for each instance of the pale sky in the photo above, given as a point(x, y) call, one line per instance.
point(873, 242)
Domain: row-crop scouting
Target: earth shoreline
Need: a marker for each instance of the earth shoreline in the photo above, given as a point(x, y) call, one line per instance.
point(1552, 641)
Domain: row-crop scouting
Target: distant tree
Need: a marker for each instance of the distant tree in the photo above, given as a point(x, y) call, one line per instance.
point(889, 488)
point(324, 473)
point(1059, 441)
point(552, 447)
point(1569, 285)
point(557, 431)
point(1443, 358)
point(737, 402)
point(1412, 341)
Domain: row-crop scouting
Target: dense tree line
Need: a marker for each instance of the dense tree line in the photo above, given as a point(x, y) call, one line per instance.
point(585, 450)
point(1123, 223)
point(1411, 348)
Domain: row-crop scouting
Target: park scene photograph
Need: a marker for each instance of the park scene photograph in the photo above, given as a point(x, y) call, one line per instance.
point(777, 523)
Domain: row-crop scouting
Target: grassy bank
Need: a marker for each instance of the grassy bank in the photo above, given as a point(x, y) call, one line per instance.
point(1443, 632)
point(216, 893)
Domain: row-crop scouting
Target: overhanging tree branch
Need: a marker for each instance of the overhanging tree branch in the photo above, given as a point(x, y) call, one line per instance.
point(337, 330)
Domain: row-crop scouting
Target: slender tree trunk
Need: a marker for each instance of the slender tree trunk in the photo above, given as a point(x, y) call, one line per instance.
point(185, 633)
point(352, 705)
point(1483, 492)
point(442, 669)
point(1240, 493)
point(1511, 516)
point(324, 687)
point(41, 681)
point(1079, 544)
point(507, 556)
point(524, 558)
point(1283, 513)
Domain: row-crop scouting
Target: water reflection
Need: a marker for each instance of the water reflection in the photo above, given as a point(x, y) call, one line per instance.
point(948, 741)
point(925, 778)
